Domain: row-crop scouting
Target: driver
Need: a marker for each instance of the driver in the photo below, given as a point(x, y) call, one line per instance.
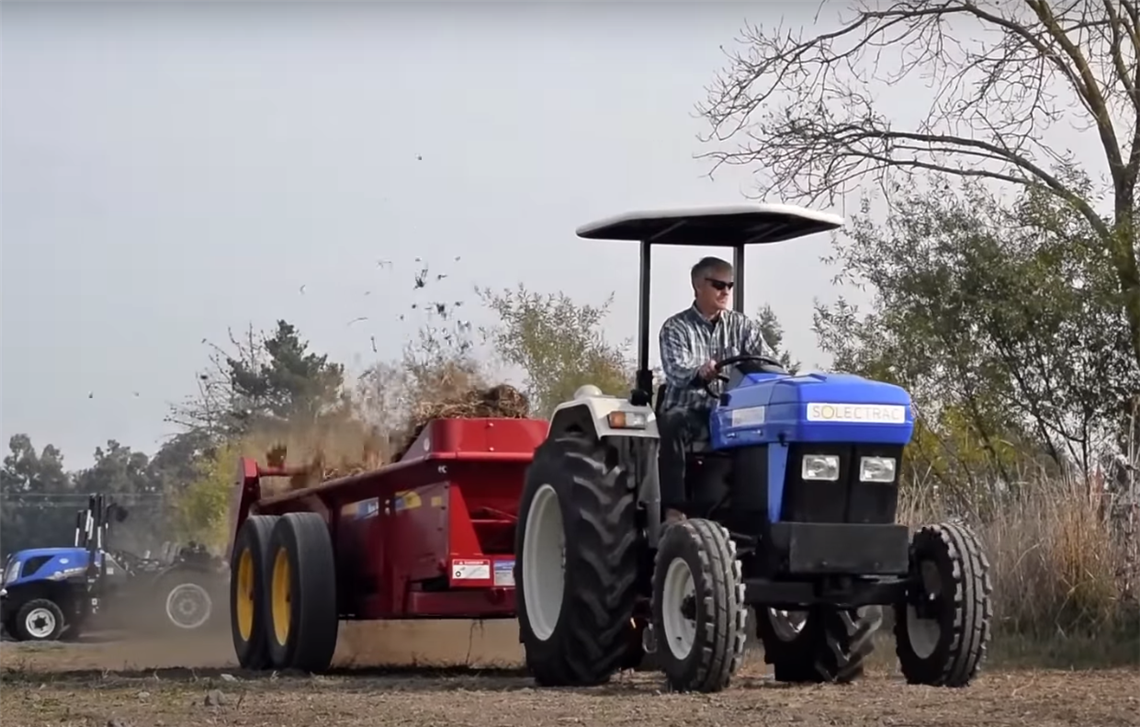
point(692, 341)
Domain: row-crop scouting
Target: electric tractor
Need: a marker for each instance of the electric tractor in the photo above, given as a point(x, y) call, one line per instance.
point(792, 503)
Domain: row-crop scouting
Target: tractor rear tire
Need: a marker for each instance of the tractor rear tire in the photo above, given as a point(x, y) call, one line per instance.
point(575, 610)
point(946, 649)
point(699, 614)
point(185, 599)
point(301, 594)
point(830, 647)
point(249, 611)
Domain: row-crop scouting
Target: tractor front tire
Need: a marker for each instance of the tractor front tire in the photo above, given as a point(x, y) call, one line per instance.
point(699, 614)
point(577, 554)
point(301, 593)
point(946, 646)
point(829, 646)
point(249, 612)
point(40, 619)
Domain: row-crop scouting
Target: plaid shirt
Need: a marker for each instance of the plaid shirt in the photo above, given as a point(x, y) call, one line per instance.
point(688, 340)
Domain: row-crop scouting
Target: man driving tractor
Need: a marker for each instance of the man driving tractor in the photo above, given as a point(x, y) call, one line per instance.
point(692, 342)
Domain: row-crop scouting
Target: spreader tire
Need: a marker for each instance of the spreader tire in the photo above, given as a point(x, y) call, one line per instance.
point(831, 645)
point(699, 615)
point(301, 593)
point(574, 619)
point(947, 648)
point(249, 611)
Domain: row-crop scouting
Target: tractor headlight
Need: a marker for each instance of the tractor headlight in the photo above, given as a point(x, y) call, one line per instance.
point(820, 467)
point(876, 469)
point(628, 419)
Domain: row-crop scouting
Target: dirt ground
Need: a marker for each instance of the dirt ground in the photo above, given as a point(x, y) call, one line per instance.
point(382, 677)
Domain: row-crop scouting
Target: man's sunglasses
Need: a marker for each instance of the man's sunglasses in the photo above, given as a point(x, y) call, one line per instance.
point(720, 284)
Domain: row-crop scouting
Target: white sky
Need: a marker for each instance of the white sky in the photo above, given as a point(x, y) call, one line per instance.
point(169, 172)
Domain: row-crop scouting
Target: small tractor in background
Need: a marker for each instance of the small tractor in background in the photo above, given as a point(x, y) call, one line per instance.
point(792, 506)
point(53, 593)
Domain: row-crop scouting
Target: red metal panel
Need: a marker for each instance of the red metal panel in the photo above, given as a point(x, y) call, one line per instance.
point(452, 498)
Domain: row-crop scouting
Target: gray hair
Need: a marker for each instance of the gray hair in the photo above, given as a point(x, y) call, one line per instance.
point(707, 265)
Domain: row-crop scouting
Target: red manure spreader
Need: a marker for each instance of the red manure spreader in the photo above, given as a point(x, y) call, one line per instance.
point(430, 536)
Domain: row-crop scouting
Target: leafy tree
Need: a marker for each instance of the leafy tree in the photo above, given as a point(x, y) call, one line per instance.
point(558, 343)
point(263, 382)
point(803, 112)
point(998, 319)
point(774, 336)
point(36, 494)
point(201, 509)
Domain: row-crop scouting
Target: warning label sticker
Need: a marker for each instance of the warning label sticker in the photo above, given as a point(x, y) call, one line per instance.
point(505, 573)
point(471, 570)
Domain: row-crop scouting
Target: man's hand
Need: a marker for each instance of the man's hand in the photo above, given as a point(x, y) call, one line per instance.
point(707, 369)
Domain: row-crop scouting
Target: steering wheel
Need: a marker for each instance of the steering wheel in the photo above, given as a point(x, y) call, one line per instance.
point(732, 361)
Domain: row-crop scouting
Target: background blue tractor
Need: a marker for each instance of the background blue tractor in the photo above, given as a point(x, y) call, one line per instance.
point(792, 501)
point(53, 593)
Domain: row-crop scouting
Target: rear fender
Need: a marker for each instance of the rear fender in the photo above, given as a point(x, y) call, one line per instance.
point(590, 415)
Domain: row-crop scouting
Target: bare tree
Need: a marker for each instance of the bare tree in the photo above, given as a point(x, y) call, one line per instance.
point(801, 110)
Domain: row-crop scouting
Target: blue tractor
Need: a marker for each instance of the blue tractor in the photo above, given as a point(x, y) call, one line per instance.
point(793, 499)
point(53, 593)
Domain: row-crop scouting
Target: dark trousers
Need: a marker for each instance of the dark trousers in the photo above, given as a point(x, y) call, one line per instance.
point(677, 429)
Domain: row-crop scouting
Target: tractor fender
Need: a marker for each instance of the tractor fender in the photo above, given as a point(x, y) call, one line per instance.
point(589, 412)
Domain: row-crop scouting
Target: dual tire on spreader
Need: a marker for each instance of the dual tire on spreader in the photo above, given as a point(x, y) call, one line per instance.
point(283, 609)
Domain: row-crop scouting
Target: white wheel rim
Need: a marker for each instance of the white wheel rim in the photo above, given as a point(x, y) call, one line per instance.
point(680, 632)
point(188, 605)
point(40, 623)
point(544, 562)
point(925, 632)
point(787, 624)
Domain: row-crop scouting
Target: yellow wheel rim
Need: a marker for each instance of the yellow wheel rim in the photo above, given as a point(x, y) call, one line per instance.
point(244, 605)
point(282, 607)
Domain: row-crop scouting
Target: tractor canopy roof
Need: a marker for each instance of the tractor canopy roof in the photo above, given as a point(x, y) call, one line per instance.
point(713, 226)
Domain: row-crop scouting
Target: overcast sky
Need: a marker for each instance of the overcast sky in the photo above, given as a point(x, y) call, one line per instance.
point(170, 172)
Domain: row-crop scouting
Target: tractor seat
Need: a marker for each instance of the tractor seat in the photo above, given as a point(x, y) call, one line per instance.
point(702, 444)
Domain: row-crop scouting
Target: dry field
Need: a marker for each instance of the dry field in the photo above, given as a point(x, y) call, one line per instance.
point(383, 677)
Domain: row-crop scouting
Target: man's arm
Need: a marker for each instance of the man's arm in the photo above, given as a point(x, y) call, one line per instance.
point(678, 360)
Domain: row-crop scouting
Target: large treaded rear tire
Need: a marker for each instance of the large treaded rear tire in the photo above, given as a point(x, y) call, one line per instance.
point(710, 621)
point(831, 647)
point(958, 566)
point(586, 642)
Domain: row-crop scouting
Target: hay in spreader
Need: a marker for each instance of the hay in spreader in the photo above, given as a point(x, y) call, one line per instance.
point(352, 447)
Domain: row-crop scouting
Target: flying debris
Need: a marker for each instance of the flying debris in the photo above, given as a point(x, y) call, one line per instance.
point(358, 319)
point(302, 289)
point(373, 339)
point(383, 263)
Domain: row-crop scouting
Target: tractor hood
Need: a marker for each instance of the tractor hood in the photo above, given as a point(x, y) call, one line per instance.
point(841, 408)
point(44, 564)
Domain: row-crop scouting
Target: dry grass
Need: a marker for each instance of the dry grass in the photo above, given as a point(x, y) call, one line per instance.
point(1064, 584)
